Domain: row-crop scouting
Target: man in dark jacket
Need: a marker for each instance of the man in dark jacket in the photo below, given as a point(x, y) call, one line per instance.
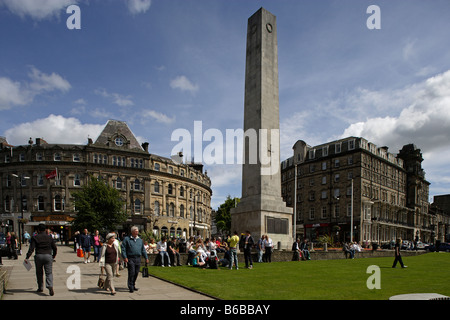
point(248, 245)
point(45, 254)
point(85, 244)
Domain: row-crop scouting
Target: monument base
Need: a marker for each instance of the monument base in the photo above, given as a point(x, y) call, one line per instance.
point(264, 217)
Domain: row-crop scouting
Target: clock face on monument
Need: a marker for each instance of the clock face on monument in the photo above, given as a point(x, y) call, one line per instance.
point(269, 28)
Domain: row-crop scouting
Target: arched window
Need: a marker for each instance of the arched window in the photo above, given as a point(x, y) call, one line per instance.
point(181, 191)
point(156, 187)
point(182, 211)
point(171, 210)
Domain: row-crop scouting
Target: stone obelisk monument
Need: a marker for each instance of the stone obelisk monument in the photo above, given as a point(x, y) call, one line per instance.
point(262, 209)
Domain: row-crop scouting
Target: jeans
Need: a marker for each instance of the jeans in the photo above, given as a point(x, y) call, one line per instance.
point(260, 255)
point(44, 263)
point(233, 253)
point(164, 253)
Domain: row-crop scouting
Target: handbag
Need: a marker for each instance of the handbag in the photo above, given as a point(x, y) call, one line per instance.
point(145, 271)
point(80, 253)
point(101, 282)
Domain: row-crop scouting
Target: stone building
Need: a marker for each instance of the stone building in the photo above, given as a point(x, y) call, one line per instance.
point(160, 195)
point(390, 192)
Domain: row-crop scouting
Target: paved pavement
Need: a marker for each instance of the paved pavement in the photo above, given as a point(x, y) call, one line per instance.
point(22, 283)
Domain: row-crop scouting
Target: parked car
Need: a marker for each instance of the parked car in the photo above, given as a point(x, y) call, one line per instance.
point(443, 247)
point(421, 245)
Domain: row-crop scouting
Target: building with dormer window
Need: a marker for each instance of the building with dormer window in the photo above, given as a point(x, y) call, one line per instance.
point(160, 195)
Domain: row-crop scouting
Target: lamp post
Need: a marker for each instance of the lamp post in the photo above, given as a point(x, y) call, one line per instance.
point(21, 207)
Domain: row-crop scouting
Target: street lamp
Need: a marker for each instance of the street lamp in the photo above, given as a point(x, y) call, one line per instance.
point(21, 208)
point(351, 216)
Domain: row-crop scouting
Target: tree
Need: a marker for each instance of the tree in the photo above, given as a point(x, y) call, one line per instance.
point(99, 207)
point(223, 216)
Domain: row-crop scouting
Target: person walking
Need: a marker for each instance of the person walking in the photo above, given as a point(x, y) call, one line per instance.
point(85, 244)
point(397, 254)
point(233, 243)
point(108, 260)
point(132, 250)
point(97, 243)
point(46, 251)
point(248, 245)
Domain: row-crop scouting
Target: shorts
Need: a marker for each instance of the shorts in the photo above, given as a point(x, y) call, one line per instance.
point(86, 249)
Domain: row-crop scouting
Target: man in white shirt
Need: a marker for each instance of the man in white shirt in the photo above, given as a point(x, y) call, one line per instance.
point(162, 248)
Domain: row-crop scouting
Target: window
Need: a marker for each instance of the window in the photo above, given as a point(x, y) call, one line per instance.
point(324, 151)
point(157, 208)
point(182, 211)
point(324, 180)
point(182, 172)
point(312, 154)
point(57, 157)
point(118, 141)
point(58, 203)
point(41, 205)
point(119, 183)
point(114, 159)
point(324, 212)
point(312, 213)
point(323, 195)
point(336, 163)
point(337, 147)
point(137, 206)
point(171, 210)
point(156, 186)
point(76, 157)
point(336, 193)
point(157, 166)
point(324, 165)
point(336, 177)
point(40, 180)
point(7, 204)
point(76, 180)
point(39, 156)
point(181, 191)
point(22, 157)
point(171, 170)
point(170, 189)
point(137, 184)
point(351, 144)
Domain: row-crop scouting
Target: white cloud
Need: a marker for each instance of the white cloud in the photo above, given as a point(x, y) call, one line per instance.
point(424, 118)
point(11, 94)
point(158, 116)
point(14, 93)
point(138, 6)
point(120, 100)
point(37, 9)
point(184, 84)
point(53, 129)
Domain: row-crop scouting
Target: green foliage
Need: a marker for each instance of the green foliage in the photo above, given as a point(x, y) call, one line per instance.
point(99, 207)
point(223, 216)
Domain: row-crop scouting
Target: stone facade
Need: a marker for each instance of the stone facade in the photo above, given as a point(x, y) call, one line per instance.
point(159, 194)
point(390, 193)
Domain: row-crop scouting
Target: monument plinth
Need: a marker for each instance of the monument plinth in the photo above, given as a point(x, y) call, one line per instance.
point(262, 209)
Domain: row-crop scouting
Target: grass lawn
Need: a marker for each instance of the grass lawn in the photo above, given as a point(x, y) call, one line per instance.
point(317, 280)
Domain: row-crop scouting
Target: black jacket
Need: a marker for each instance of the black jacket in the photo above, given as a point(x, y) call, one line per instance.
point(43, 244)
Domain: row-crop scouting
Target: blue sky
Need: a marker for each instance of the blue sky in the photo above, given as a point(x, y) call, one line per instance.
point(160, 65)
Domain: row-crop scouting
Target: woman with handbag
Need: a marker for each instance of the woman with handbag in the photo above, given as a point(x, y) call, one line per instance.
point(108, 260)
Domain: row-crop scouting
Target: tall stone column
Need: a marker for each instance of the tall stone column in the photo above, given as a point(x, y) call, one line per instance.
point(262, 209)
